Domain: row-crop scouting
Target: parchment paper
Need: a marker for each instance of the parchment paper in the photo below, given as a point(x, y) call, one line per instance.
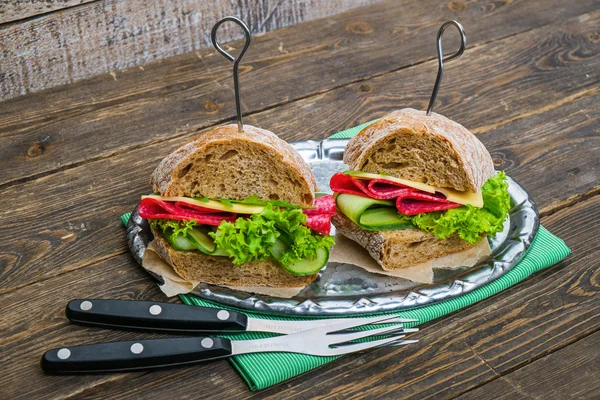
point(345, 251)
point(349, 252)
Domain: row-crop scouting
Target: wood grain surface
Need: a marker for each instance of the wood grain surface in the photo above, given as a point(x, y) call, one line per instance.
point(528, 86)
point(176, 98)
point(108, 35)
point(73, 224)
point(14, 10)
point(571, 372)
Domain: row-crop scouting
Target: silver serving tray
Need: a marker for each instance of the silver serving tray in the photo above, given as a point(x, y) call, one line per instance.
point(344, 289)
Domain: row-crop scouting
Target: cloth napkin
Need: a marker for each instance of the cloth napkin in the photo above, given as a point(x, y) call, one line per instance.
point(261, 370)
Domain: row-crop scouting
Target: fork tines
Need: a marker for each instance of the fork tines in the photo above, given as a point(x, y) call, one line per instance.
point(338, 342)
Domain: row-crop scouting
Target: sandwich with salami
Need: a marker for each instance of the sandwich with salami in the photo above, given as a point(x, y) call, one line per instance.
point(239, 209)
point(419, 187)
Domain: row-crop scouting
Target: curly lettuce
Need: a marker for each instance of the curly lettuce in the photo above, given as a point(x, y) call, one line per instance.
point(251, 239)
point(173, 228)
point(470, 223)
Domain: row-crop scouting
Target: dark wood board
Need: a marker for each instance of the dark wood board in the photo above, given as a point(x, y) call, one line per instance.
point(38, 323)
point(529, 87)
point(103, 116)
point(506, 332)
point(570, 373)
point(79, 206)
point(458, 353)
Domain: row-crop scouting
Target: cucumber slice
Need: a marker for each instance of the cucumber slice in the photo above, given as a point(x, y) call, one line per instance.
point(354, 206)
point(279, 247)
point(383, 218)
point(180, 243)
point(198, 236)
point(196, 239)
point(371, 214)
point(219, 252)
point(308, 266)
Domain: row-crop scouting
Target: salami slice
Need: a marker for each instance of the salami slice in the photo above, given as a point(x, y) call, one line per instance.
point(322, 205)
point(379, 189)
point(319, 217)
point(319, 222)
point(157, 209)
point(419, 202)
point(414, 207)
point(344, 183)
point(409, 201)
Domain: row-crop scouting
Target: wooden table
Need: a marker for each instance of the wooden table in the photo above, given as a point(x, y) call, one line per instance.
point(76, 157)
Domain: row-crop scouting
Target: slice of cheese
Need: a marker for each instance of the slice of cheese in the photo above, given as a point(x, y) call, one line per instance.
point(473, 198)
point(237, 208)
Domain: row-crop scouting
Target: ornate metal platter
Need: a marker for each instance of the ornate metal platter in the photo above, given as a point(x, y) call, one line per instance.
point(344, 289)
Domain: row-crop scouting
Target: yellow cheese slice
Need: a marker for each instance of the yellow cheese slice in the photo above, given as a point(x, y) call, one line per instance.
point(237, 208)
point(473, 198)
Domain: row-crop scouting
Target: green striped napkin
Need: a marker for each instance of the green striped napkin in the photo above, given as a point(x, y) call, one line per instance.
point(261, 370)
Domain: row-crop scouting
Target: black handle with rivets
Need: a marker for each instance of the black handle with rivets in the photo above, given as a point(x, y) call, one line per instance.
point(134, 355)
point(154, 316)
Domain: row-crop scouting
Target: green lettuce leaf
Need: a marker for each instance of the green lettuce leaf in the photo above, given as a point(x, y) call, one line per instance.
point(251, 239)
point(471, 222)
point(172, 227)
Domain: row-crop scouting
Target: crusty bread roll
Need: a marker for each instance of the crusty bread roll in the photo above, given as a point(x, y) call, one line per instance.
point(224, 163)
point(402, 248)
point(431, 149)
point(199, 267)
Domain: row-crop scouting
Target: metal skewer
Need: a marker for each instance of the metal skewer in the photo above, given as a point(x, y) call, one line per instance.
point(236, 61)
point(441, 59)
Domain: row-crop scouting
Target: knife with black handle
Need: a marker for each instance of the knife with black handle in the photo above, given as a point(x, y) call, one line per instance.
point(180, 318)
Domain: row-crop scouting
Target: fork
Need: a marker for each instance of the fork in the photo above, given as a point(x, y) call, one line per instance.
point(157, 353)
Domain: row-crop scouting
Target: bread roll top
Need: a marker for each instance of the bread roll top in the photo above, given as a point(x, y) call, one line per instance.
point(430, 149)
point(224, 163)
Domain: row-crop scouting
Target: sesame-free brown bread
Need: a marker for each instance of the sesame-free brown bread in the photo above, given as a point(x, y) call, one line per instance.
point(431, 149)
point(225, 163)
point(200, 267)
point(396, 249)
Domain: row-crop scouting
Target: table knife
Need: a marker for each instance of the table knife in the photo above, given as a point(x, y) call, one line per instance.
point(181, 318)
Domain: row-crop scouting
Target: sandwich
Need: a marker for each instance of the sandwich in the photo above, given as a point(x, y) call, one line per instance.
point(239, 209)
point(418, 188)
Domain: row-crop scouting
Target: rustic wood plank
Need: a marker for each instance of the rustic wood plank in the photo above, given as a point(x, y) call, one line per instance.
point(528, 321)
point(488, 86)
point(38, 323)
point(34, 321)
point(13, 10)
point(79, 206)
point(67, 126)
point(506, 332)
point(570, 373)
point(104, 36)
